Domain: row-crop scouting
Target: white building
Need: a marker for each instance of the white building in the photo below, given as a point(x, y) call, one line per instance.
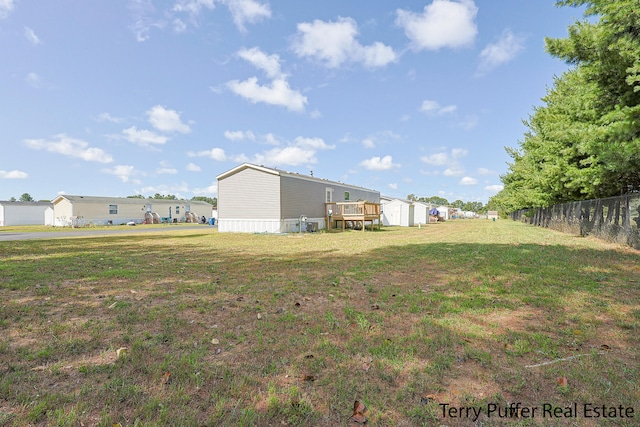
point(26, 213)
point(396, 211)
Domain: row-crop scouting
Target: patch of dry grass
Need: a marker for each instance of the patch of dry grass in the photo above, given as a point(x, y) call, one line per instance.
point(230, 329)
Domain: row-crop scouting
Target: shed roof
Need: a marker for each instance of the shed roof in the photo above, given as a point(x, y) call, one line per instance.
point(10, 203)
point(279, 172)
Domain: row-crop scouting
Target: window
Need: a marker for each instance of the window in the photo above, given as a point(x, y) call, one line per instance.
point(346, 196)
point(329, 195)
point(113, 209)
point(177, 210)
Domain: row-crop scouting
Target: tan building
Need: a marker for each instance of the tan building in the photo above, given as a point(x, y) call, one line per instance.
point(90, 210)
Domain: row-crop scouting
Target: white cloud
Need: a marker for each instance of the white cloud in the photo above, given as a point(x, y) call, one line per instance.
point(312, 143)
point(456, 153)
point(277, 93)
point(437, 159)
point(144, 138)
point(239, 135)
point(453, 170)
point(334, 43)
point(247, 11)
point(215, 154)
point(434, 108)
point(170, 171)
point(6, 6)
point(62, 144)
point(193, 6)
point(443, 23)
point(191, 167)
point(124, 172)
point(166, 120)
point(379, 163)
point(500, 52)
point(494, 188)
point(34, 80)
point(448, 159)
point(106, 117)
point(270, 64)
point(393, 186)
point(291, 156)
point(143, 13)
point(369, 143)
point(485, 171)
point(31, 36)
point(467, 180)
point(209, 191)
point(179, 26)
point(14, 174)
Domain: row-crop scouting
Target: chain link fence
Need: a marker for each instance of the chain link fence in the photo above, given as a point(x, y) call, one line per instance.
point(615, 219)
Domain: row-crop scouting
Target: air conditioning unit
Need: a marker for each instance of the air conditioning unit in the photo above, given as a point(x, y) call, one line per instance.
point(312, 227)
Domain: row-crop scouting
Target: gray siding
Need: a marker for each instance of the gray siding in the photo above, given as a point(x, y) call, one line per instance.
point(302, 196)
point(249, 194)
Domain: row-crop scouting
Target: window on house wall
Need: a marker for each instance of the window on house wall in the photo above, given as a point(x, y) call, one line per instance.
point(177, 210)
point(113, 209)
point(187, 208)
point(329, 195)
point(346, 196)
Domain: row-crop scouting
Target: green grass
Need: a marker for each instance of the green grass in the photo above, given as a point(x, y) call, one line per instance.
point(226, 329)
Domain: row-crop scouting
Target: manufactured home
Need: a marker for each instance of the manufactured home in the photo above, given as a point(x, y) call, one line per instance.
point(25, 213)
point(77, 211)
point(257, 199)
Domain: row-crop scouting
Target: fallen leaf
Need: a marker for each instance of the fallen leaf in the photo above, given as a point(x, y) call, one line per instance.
point(121, 351)
point(218, 350)
point(605, 347)
point(358, 412)
point(308, 377)
point(38, 368)
point(297, 304)
point(428, 399)
point(375, 307)
point(239, 298)
point(259, 316)
point(366, 366)
point(166, 378)
point(309, 356)
point(215, 341)
point(113, 305)
point(563, 381)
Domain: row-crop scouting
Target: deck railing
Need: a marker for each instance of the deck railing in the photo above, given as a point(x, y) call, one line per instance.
point(352, 209)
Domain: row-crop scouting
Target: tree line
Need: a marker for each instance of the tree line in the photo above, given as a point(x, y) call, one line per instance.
point(584, 141)
point(441, 201)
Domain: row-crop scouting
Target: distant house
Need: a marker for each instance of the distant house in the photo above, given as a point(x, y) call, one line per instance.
point(26, 213)
point(258, 199)
point(492, 215)
point(91, 210)
point(397, 211)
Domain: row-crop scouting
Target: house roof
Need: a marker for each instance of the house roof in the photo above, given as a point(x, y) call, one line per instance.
point(279, 172)
point(125, 200)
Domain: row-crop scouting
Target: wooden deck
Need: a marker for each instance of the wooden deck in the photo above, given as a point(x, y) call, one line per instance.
point(352, 214)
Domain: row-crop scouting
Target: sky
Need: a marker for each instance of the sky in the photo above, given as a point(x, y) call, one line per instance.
point(138, 97)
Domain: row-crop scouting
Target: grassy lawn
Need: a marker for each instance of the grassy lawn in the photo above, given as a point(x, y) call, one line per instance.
point(195, 327)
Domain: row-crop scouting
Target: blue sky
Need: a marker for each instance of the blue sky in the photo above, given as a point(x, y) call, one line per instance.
point(116, 98)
